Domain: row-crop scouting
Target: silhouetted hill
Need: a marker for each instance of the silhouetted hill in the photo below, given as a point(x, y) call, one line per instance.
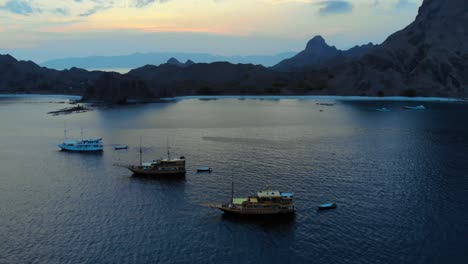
point(428, 58)
point(206, 78)
point(318, 53)
point(27, 77)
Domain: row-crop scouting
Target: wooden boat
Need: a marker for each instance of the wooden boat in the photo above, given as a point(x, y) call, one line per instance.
point(120, 147)
point(265, 203)
point(327, 206)
point(204, 169)
point(162, 167)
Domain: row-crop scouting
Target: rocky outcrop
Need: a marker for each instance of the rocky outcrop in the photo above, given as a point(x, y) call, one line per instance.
point(176, 62)
point(115, 88)
point(427, 58)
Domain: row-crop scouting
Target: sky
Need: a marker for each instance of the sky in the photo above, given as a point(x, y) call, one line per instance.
point(40, 30)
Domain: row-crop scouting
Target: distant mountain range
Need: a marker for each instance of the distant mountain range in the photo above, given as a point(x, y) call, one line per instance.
point(141, 59)
point(427, 58)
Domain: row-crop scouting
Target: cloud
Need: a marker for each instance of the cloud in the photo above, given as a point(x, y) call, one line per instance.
point(334, 7)
point(94, 10)
point(61, 11)
point(143, 3)
point(404, 4)
point(18, 7)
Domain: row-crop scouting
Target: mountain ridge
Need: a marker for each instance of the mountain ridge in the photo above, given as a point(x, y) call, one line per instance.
point(317, 53)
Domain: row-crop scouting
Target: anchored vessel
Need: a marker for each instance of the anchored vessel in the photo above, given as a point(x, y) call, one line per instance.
point(265, 203)
point(162, 167)
point(84, 145)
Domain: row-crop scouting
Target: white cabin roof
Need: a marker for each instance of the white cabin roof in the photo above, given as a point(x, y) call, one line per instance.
point(268, 194)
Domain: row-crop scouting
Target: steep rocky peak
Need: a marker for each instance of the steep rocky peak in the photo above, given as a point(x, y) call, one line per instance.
point(317, 42)
point(173, 61)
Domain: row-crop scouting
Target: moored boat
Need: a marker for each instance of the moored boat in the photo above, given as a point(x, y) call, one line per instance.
point(326, 206)
point(204, 169)
point(383, 109)
point(84, 145)
point(265, 203)
point(162, 167)
point(120, 147)
point(419, 107)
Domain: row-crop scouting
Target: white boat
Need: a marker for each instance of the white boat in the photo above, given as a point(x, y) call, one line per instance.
point(84, 145)
point(204, 169)
point(383, 109)
point(327, 206)
point(419, 107)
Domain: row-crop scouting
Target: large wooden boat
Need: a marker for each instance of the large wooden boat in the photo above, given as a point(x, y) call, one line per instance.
point(265, 203)
point(162, 167)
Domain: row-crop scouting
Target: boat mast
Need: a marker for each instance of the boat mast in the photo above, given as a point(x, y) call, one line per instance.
point(81, 134)
point(232, 189)
point(65, 130)
point(141, 153)
point(168, 152)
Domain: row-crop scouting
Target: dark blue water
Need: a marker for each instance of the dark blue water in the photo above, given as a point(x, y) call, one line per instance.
point(400, 180)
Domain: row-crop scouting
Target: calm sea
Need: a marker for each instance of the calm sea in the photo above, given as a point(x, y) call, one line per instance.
point(400, 180)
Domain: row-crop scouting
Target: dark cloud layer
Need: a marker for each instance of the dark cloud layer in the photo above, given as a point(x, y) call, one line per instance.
point(334, 7)
point(18, 7)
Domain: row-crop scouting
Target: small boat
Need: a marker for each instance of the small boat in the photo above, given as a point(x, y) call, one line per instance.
point(383, 109)
point(204, 169)
point(120, 147)
point(327, 206)
point(419, 107)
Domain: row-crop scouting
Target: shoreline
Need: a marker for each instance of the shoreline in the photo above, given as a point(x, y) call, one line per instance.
point(316, 97)
point(61, 96)
point(252, 97)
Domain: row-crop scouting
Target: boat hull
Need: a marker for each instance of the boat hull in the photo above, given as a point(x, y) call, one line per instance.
point(326, 207)
point(80, 149)
point(256, 213)
point(146, 172)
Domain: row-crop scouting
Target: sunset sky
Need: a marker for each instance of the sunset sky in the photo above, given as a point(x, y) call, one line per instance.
point(46, 29)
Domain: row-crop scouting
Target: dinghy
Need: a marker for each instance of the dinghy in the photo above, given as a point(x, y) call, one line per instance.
point(326, 206)
point(383, 109)
point(419, 107)
point(204, 169)
point(121, 147)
